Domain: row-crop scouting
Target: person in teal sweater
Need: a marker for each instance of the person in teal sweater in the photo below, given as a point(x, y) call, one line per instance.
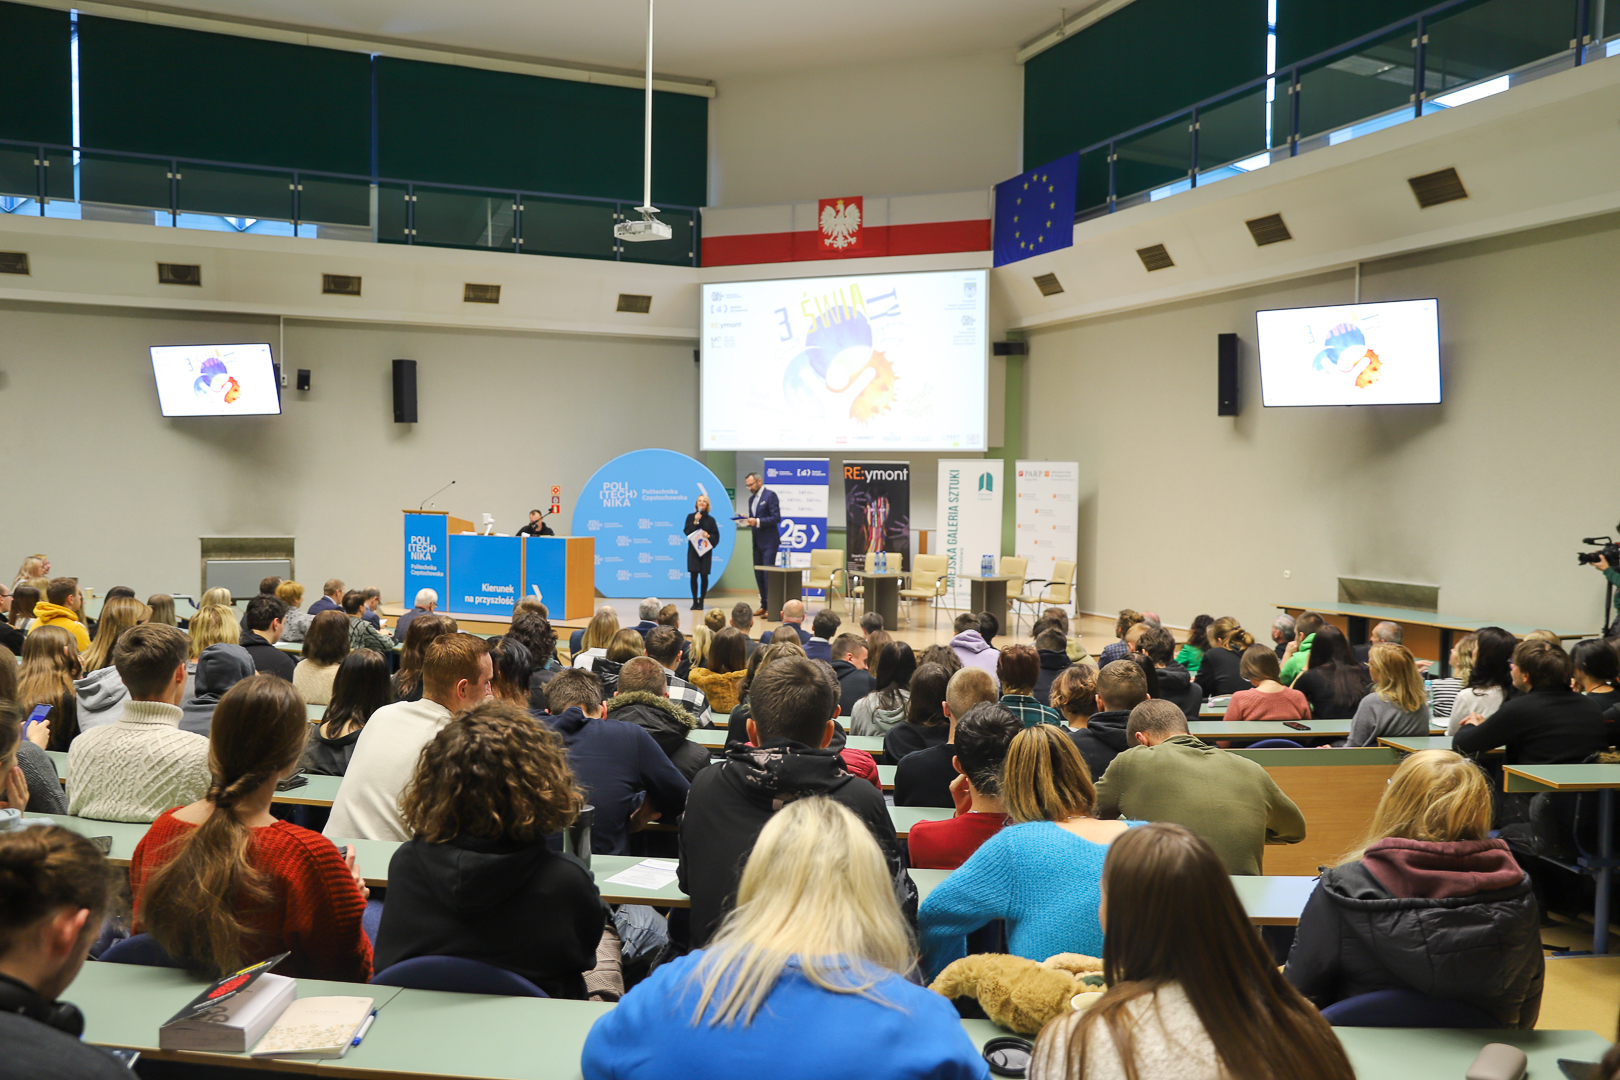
point(1041, 875)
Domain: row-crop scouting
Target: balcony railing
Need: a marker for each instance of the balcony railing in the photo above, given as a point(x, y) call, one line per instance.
point(104, 185)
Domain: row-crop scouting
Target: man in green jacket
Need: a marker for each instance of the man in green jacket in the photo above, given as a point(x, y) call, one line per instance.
point(1305, 628)
point(1169, 775)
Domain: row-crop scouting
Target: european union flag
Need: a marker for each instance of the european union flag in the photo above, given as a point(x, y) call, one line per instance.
point(1035, 210)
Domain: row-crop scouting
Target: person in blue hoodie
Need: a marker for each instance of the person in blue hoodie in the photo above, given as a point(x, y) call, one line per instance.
point(477, 879)
point(816, 943)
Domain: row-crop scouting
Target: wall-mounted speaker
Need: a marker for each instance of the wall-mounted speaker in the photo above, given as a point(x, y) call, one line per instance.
point(404, 391)
point(303, 378)
point(1226, 378)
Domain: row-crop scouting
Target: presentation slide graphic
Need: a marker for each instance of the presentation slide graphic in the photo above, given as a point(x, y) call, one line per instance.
point(635, 507)
point(215, 380)
point(875, 361)
point(1352, 354)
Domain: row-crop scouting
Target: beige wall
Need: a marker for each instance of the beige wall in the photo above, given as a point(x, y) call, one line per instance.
point(120, 494)
point(895, 127)
point(1485, 495)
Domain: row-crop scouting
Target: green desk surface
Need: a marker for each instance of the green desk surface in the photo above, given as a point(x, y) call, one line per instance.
point(1415, 617)
point(1411, 744)
point(318, 791)
point(314, 712)
point(1265, 729)
point(904, 817)
point(1215, 709)
point(715, 738)
point(125, 834)
point(59, 759)
point(886, 776)
point(605, 866)
point(1561, 777)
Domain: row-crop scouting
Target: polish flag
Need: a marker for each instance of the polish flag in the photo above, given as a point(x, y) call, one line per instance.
point(849, 227)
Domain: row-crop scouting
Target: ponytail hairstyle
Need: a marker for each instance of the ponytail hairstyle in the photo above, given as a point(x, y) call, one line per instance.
point(1198, 635)
point(1227, 633)
point(193, 904)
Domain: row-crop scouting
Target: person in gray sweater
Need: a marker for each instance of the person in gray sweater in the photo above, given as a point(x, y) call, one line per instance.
point(219, 668)
point(1398, 703)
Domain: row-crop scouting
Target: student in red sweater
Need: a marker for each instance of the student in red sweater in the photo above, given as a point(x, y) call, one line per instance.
point(982, 739)
point(1270, 699)
point(221, 884)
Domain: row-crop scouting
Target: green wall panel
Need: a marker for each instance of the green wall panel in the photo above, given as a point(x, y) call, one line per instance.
point(36, 74)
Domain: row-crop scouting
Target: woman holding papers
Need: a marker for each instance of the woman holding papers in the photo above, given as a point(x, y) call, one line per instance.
point(702, 533)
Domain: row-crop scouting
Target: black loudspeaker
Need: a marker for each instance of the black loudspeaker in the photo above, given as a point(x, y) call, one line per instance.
point(1226, 379)
point(303, 378)
point(404, 391)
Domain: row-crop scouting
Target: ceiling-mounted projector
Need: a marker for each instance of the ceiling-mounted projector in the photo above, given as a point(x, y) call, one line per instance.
point(648, 228)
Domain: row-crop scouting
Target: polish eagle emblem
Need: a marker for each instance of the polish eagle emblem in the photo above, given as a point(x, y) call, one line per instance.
point(840, 223)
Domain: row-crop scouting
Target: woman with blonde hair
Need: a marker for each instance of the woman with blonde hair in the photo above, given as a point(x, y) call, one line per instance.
point(627, 644)
point(702, 641)
point(715, 619)
point(50, 664)
point(117, 615)
point(1219, 672)
point(1429, 902)
point(1398, 704)
point(295, 624)
point(816, 942)
point(1041, 874)
point(1443, 692)
point(1205, 1001)
point(1074, 694)
point(219, 595)
point(594, 642)
point(33, 567)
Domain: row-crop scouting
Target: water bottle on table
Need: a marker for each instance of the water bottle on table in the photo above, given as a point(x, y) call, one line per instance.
point(987, 566)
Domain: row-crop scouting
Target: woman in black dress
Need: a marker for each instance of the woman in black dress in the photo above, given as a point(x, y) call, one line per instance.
point(698, 565)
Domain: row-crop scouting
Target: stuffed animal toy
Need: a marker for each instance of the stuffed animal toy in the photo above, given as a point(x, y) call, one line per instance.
point(1019, 994)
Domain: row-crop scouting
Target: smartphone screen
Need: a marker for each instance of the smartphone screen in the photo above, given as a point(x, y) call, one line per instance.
point(1296, 725)
point(37, 716)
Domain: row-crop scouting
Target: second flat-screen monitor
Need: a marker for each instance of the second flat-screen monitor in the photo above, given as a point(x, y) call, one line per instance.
point(1351, 354)
point(858, 362)
point(216, 380)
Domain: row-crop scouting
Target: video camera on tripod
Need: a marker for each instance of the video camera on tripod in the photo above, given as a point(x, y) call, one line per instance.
point(1608, 550)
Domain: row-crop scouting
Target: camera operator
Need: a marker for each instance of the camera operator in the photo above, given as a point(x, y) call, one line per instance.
point(1605, 564)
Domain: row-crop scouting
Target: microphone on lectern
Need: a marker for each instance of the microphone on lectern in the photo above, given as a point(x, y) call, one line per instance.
point(424, 503)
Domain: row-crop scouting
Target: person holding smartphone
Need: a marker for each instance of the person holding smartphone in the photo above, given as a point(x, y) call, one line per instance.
point(28, 780)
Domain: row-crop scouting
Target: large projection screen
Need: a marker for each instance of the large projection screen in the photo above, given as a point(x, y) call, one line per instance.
point(858, 362)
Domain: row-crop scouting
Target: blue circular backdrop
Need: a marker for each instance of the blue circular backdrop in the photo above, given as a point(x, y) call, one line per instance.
point(635, 507)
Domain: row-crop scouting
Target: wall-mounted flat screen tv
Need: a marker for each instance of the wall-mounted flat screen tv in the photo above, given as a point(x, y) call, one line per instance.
point(1351, 354)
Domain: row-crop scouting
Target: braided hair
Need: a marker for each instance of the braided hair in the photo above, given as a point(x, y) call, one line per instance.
point(195, 902)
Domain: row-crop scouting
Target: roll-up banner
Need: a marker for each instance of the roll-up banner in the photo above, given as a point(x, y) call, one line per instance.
point(801, 487)
point(1047, 514)
point(969, 510)
point(877, 509)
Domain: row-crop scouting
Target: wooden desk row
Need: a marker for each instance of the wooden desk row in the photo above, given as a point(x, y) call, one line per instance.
point(429, 1033)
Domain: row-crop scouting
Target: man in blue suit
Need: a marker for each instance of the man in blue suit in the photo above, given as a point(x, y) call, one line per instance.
point(764, 515)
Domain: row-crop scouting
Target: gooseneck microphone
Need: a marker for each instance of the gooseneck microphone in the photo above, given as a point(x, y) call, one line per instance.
point(423, 504)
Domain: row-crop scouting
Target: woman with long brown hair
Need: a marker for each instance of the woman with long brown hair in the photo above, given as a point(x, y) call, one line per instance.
point(1203, 1001)
point(360, 688)
point(423, 632)
point(1333, 682)
point(221, 883)
point(50, 663)
point(326, 646)
point(721, 672)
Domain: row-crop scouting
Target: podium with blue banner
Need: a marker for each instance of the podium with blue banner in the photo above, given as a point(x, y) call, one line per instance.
point(483, 576)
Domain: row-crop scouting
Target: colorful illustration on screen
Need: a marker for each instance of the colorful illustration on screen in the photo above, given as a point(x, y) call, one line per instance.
point(215, 383)
point(1346, 355)
point(839, 362)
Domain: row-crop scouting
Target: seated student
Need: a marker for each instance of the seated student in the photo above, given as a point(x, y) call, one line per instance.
point(331, 598)
point(55, 890)
point(510, 669)
point(969, 644)
point(1175, 682)
point(477, 879)
point(584, 646)
point(793, 703)
point(1489, 682)
point(219, 668)
point(1397, 703)
point(1547, 724)
point(99, 693)
point(1443, 692)
point(325, 646)
point(139, 766)
point(535, 632)
point(1118, 649)
point(1203, 1002)
point(849, 658)
point(63, 606)
point(925, 777)
point(1597, 671)
point(926, 724)
point(1282, 632)
point(1270, 699)
point(49, 676)
point(644, 699)
point(622, 769)
point(742, 621)
point(1429, 903)
point(823, 628)
point(626, 645)
point(214, 624)
point(1121, 687)
point(723, 667)
point(885, 706)
point(1017, 668)
point(1051, 647)
point(425, 631)
point(1191, 654)
point(793, 619)
point(262, 627)
point(737, 724)
point(1381, 632)
point(24, 599)
point(362, 635)
point(1169, 775)
point(1042, 875)
point(816, 944)
point(28, 777)
point(1333, 683)
point(221, 883)
point(295, 624)
point(981, 742)
point(360, 689)
point(1218, 671)
point(455, 676)
point(1298, 651)
point(427, 601)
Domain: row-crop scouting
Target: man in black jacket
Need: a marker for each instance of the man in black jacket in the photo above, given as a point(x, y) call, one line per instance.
point(1121, 687)
point(261, 630)
point(1547, 724)
point(849, 664)
point(643, 698)
point(924, 778)
point(1175, 681)
point(794, 706)
point(1051, 646)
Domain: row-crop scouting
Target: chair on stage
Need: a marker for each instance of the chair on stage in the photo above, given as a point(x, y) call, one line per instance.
point(928, 575)
point(856, 590)
point(1013, 568)
point(827, 573)
point(1055, 591)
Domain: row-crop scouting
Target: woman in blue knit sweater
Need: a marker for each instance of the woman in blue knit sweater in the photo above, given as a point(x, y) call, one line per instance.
point(1042, 875)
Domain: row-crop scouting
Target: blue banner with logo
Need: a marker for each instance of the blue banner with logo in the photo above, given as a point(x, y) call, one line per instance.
point(486, 575)
point(801, 487)
point(1035, 210)
point(635, 507)
point(425, 555)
